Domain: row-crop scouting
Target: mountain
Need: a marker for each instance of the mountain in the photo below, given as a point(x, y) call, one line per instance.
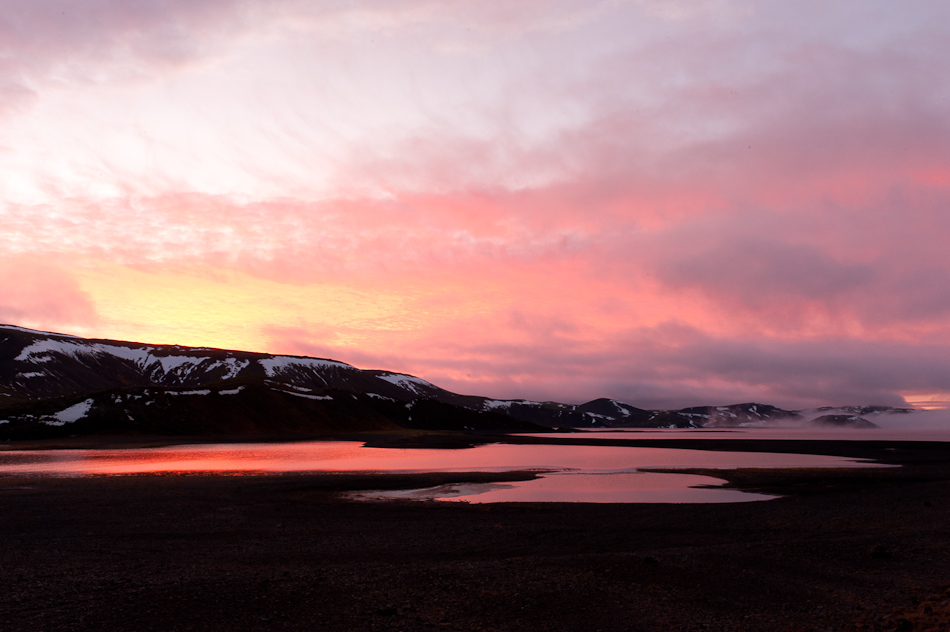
point(737, 414)
point(55, 385)
point(60, 385)
point(842, 421)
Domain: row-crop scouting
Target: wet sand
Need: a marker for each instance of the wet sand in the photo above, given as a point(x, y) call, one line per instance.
point(842, 550)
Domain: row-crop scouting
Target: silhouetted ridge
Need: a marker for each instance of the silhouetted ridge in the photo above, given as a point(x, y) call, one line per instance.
point(56, 385)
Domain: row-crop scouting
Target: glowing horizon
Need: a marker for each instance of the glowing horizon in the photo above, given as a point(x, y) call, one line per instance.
point(664, 202)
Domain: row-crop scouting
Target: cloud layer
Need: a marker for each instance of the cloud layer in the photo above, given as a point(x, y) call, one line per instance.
point(668, 203)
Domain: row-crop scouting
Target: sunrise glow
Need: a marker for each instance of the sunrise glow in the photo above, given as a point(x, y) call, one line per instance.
point(664, 202)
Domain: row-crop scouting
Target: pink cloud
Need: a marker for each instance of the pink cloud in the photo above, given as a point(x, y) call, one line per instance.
point(90, 41)
point(662, 367)
point(42, 295)
point(667, 207)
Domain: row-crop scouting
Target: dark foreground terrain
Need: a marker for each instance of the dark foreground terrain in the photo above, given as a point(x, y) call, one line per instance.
point(844, 550)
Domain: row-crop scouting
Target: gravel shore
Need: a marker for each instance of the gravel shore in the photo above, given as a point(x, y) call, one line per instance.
point(842, 549)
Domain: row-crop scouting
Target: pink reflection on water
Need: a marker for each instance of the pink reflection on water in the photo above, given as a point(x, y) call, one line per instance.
point(572, 473)
point(615, 487)
point(350, 456)
point(753, 432)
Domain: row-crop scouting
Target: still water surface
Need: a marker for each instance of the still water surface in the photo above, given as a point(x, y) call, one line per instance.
point(777, 433)
point(569, 473)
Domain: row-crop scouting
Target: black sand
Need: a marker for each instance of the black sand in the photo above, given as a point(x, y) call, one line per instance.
point(843, 550)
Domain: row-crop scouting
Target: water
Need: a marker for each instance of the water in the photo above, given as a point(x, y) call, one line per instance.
point(569, 473)
point(588, 487)
point(776, 432)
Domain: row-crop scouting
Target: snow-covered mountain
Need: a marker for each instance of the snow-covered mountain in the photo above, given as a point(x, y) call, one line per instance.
point(55, 384)
point(38, 365)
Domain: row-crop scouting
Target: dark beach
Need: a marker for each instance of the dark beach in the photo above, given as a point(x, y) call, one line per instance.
point(843, 549)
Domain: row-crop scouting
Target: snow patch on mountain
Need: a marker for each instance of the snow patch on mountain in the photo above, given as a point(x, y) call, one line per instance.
point(304, 395)
point(202, 391)
point(495, 404)
point(170, 364)
point(293, 387)
point(234, 367)
point(142, 357)
point(231, 391)
point(622, 408)
point(282, 364)
point(35, 351)
point(411, 383)
point(69, 415)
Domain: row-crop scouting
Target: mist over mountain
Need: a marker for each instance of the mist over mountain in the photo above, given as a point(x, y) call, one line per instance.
point(54, 385)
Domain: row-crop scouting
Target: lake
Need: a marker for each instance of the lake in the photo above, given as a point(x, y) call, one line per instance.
point(759, 432)
point(567, 473)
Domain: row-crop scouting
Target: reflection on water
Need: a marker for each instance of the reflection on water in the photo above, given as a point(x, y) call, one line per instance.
point(604, 487)
point(572, 472)
point(760, 432)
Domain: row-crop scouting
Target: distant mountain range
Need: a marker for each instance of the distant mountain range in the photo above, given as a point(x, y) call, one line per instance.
point(55, 385)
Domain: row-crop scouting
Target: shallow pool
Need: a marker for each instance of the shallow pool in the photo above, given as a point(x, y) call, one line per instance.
point(567, 473)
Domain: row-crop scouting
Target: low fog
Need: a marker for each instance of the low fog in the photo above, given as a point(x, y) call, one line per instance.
point(886, 420)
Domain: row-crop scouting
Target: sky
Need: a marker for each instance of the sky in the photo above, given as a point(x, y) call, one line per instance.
point(665, 202)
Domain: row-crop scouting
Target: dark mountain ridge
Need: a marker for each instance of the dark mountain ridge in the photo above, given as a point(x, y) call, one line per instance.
point(59, 385)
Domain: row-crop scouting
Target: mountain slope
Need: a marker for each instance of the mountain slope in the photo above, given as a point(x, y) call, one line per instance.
point(37, 365)
point(56, 384)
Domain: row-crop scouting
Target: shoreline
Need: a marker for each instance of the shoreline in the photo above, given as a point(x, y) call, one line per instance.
point(843, 549)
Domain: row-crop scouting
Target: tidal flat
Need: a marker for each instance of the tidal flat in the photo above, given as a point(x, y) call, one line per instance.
point(840, 549)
